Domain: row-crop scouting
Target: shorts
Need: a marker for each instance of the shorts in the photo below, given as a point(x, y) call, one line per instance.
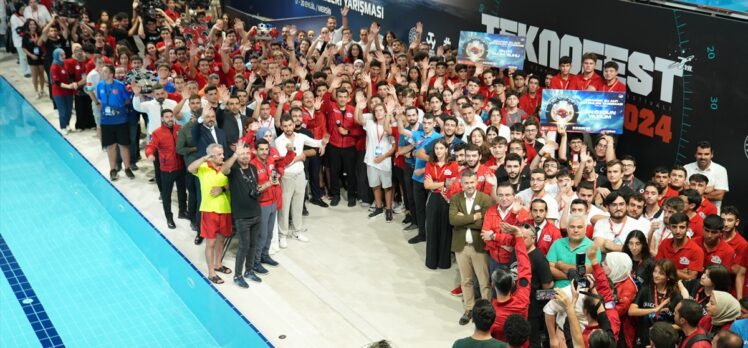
point(214, 223)
point(378, 177)
point(115, 134)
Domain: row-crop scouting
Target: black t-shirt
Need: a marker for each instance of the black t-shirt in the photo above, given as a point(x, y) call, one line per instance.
point(624, 190)
point(524, 177)
point(646, 299)
point(152, 37)
point(541, 274)
point(120, 34)
point(641, 271)
point(51, 45)
point(242, 184)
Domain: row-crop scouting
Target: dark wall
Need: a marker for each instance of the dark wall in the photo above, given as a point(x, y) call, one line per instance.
point(94, 8)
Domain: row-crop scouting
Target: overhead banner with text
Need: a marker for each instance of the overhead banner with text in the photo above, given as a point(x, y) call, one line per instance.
point(682, 69)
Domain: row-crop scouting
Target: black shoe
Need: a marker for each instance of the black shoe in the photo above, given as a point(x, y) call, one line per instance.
point(198, 240)
point(318, 202)
point(417, 239)
point(152, 180)
point(113, 175)
point(465, 319)
point(129, 173)
point(408, 219)
point(335, 200)
point(170, 223)
point(26, 75)
point(269, 261)
point(351, 201)
point(183, 215)
point(193, 226)
point(305, 212)
point(240, 282)
point(376, 212)
point(259, 269)
point(410, 227)
point(388, 215)
point(134, 166)
point(252, 276)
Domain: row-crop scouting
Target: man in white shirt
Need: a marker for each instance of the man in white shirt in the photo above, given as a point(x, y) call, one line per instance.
point(717, 174)
point(40, 14)
point(17, 21)
point(471, 121)
point(293, 182)
point(92, 79)
point(611, 232)
point(379, 149)
point(152, 107)
point(537, 190)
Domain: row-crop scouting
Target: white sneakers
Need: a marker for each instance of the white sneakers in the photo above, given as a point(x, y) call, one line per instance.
point(399, 208)
point(283, 242)
point(65, 131)
point(301, 236)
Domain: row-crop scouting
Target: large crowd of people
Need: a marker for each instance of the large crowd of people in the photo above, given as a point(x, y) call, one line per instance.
point(557, 238)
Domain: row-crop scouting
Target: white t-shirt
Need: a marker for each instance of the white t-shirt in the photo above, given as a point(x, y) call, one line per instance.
point(552, 213)
point(617, 233)
point(378, 142)
point(15, 23)
point(92, 79)
point(469, 128)
point(716, 174)
point(41, 15)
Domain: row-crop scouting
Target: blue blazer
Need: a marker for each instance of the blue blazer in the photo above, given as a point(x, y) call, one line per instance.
point(202, 137)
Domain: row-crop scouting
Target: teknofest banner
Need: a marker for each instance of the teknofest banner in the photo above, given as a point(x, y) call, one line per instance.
point(685, 72)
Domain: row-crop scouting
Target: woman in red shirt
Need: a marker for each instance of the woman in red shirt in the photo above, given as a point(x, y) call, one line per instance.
point(63, 89)
point(440, 173)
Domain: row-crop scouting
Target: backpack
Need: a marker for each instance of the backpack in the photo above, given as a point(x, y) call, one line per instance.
point(697, 338)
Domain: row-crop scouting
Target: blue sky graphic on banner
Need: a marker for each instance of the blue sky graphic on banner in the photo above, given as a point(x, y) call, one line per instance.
point(589, 111)
point(494, 50)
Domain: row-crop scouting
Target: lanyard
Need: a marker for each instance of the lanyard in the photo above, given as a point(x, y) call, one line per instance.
point(623, 224)
point(379, 137)
point(439, 173)
point(611, 87)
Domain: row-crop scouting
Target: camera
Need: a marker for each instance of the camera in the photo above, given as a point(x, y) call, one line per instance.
point(149, 8)
point(577, 275)
point(69, 8)
point(146, 80)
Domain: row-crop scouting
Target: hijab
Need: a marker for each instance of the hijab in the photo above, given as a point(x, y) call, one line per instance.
point(728, 308)
point(620, 266)
point(56, 59)
point(261, 133)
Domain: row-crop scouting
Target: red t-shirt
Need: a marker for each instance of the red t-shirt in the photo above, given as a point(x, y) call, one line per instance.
point(559, 83)
point(668, 193)
point(617, 86)
point(59, 74)
point(706, 208)
point(580, 83)
point(530, 104)
point(519, 303)
point(722, 254)
point(689, 256)
point(440, 173)
point(696, 224)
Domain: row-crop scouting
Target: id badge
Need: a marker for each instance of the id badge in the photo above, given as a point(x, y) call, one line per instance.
point(36, 51)
point(378, 151)
point(108, 111)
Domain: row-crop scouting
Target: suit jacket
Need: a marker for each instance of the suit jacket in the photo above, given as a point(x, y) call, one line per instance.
point(462, 222)
point(232, 130)
point(202, 138)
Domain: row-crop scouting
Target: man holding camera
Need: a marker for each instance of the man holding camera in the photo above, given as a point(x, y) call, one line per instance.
point(245, 205)
point(563, 253)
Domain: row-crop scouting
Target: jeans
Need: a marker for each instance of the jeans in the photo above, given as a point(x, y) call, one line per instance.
point(64, 109)
point(267, 223)
point(167, 185)
point(25, 70)
point(248, 231)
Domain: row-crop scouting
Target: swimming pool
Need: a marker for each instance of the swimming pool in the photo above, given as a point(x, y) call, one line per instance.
point(82, 267)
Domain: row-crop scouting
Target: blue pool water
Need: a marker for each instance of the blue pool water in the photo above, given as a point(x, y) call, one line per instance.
point(81, 266)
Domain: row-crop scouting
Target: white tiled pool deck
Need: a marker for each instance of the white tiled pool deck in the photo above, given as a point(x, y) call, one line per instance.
point(357, 281)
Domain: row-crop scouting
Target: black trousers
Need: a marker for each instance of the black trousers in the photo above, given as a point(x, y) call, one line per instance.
point(190, 181)
point(313, 166)
point(409, 199)
point(363, 191)
point(84, 118)
point(420, 195)
point(342, 160)
point(167, 185)
point(157, 169)
point(438, 233)
point(248, 231)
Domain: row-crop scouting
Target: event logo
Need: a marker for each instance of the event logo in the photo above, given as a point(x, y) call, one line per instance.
point(563, 111)
point(476, 50)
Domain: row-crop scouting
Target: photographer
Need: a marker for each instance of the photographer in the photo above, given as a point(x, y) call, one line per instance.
point(512, 297)
point(245, 205)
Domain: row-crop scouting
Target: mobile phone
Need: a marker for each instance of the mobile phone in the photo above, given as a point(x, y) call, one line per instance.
point(544, 294)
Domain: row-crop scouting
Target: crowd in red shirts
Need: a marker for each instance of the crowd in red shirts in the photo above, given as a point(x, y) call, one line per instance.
point(399, 127)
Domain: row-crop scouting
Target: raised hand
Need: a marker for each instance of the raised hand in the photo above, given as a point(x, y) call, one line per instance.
point(318, 103)
point(344, 11)
point(360, 101)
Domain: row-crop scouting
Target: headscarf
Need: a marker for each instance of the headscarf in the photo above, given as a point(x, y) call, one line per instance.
point(261, 133)
point(620, 266)
point(728, 308)
point(56, 56)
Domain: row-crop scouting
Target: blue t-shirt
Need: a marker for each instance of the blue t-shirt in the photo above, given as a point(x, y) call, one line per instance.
point(405, 141)
point(115, 99)
point(740, 328)
point(421, 141)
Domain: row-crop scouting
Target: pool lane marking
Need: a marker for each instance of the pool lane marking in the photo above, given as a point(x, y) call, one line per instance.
point(32, 307)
